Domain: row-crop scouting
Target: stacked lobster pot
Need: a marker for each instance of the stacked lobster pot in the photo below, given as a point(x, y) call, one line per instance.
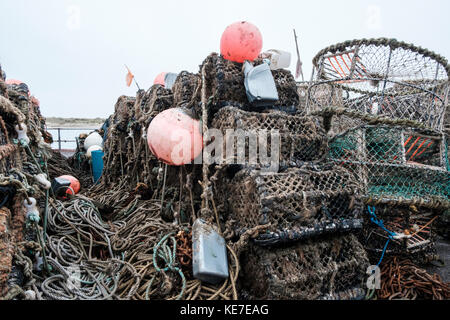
point(383, 104)
point(128, 159)
point(272, 177)
point(23, 183)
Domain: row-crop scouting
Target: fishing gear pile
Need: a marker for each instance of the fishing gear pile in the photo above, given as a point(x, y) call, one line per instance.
point(301, 207)
point(383, 104)
point(23, 183)
point(298, 189)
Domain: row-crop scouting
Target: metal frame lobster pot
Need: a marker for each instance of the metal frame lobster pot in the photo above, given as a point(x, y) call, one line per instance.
point(396, 165)
point(380, 80)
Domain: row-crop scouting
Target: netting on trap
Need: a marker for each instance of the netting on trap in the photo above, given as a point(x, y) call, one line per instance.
point(225, 84)
point(186, 89)
point(300, 138)
point(331, 268)
point(395, 165)
point(151, 102)
point(414, 225)
point(381, 80)
point(302, 90)
point(298, 203)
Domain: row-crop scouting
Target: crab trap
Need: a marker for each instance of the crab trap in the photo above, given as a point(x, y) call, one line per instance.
point(186, 89)
point(395, 165)
point(333, 268)
point(413, 230)
point(381, 80)
point(225, 85)
point(250, 137)
point(298, 204)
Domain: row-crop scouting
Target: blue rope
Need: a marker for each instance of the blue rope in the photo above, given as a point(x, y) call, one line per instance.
point(379, 222)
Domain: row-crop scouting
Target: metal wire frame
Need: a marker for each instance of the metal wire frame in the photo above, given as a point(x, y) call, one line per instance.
point(381, 78)
point(395, 165)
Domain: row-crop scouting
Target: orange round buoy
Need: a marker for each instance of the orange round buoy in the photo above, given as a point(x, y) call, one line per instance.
point(13, 81)
point(74, 184)
point(241, 41)
point(160, 79)
point(174, 137)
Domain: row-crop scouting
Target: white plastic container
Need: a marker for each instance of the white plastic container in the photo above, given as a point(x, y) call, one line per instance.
point(279, 59)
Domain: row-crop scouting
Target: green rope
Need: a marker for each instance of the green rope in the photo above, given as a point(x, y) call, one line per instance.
point(44, 255)
point(163, 251)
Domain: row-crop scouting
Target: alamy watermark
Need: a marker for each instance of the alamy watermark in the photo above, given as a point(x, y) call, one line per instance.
point(73, 281)
point(373, 21)
point(231, 146)
point(73, 21)
point(374, 280)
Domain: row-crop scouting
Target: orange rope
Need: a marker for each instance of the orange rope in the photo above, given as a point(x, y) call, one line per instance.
point(410, 137)
point(429, 222)
point(412, 146)
point(339, 65)
point(334, 68)
point(346, 62)
point(425, 148)
point(420, 146)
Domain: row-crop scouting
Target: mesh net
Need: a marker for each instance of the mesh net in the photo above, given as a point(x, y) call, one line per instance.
point(331, 268)
point(301, 138)
point(126, 150)
point(395, 165)
point(129, 161)
point(297, 203)
point(186, 89)
point(383, 79)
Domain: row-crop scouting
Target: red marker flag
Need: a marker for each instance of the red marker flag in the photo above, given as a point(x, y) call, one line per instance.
point(129, 78)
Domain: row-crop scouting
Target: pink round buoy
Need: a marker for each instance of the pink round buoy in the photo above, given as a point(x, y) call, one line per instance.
point(241, 41)
point(160, 79)
point(13, 81)
point(174, 137)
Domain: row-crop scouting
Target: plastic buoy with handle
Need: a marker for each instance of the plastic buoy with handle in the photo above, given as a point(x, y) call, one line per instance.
point(241, 41)
point(74, 187)
point(174, 137)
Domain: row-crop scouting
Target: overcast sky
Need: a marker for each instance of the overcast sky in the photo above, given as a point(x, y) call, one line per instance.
point(72, 53)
